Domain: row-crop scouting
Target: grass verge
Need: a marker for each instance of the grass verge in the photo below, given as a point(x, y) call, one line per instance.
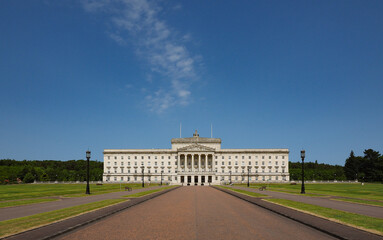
point(4, 204)
point(140, 194)
point(360, 201)
point(17, 225)
point(367, 223)
point(251, 194)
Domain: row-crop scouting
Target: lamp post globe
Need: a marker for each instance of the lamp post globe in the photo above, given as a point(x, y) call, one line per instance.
point(87, 172)
point(303, 155)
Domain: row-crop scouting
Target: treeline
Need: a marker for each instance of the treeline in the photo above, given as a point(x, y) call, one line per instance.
point(368, 168)
point(12, 171)
point(317, 171)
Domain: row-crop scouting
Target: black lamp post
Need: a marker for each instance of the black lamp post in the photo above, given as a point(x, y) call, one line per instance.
point(161, 176)
point(230, 177)
point(143, 183)
point(303, 153)
point(248, 176)
point(87, 172)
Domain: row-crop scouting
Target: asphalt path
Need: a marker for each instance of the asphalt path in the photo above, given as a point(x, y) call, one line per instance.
point(31, 209)
point(368, 210)
point(196, 213)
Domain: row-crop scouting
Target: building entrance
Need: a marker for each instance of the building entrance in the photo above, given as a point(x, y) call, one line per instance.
point(195, 180)
point(189, 180)
point(209, 179)
point(202, 180)
point(182, 179)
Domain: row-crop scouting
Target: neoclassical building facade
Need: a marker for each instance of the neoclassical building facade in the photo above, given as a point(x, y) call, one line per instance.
point(196, 161)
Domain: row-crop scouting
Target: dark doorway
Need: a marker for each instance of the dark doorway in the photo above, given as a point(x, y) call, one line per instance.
point(195, 180)
point(209, 179)
point(182, 179)
point(202, 180)
point(189, 180)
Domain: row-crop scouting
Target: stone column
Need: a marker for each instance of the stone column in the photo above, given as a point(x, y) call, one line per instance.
point(199, 162)
point(179, 162)
point(192, 163)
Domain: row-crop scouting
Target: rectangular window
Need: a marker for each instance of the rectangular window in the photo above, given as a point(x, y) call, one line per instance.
point(229, 163)
point(229, 157)
point(223, 157)
point(269, 157)
point(155, 163)
point(135, 157)
point(108, 157)
point(283, 157)
point(263, 157)
point(263, 162)
point(236, 157)
point(115, 163)
point(249, 157)
point(115, 157)
point(276, 157)
point(142, 157)
point(249, 162)
point(162, 163)
point(155, 157)
point(256, 163)
point(162, 157)
point(168, 163)
point(122, 157)
point(276, 163)
point(243, 157)
point(128, 157)
point(122, 163)
point(168, 157)
point(236, 163)
point(216, 163)
point(223, 163)
point(148, 157)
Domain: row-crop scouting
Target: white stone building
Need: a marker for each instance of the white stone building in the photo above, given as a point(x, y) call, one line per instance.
point(196, 161)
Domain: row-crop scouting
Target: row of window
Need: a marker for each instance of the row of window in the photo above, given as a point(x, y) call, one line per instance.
point(137, 157)
point(142, 163)
point(256, 163)
point(136, 171)
point(243, 157)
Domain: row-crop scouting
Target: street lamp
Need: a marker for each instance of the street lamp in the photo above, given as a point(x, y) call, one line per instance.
point(248, 176)
point(87, 172)
point(303, 153)
point(143, 183)
point(161, 176)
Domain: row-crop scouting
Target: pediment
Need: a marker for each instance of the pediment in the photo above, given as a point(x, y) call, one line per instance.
point(196, 148)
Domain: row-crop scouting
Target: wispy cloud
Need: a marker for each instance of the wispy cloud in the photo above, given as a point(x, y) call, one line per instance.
point(137, 22)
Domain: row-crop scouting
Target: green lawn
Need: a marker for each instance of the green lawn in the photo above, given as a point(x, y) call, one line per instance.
point(140, 194)
point(374, 224)
point(252, 194)
point(16, 225)
point(370, 191)
point(28, 191)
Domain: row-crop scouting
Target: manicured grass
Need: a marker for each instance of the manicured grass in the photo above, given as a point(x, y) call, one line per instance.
point(252, 194)
point(374, 203)
point(140, 194)
point(361, 221)
point(25, 202)
point(27, 191)
point(371, 191)
point(14, 226)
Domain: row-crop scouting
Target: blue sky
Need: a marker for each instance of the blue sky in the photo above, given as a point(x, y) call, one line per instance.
point(123, 74)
